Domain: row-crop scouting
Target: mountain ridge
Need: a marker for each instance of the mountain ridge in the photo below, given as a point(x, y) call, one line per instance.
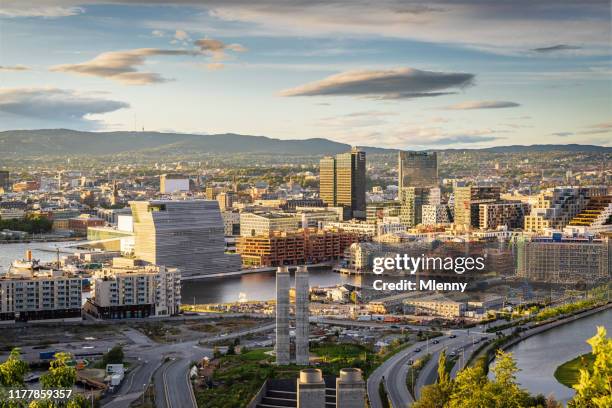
point(73, 142)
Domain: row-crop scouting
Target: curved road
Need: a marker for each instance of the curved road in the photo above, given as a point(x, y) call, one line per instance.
point(395, 369)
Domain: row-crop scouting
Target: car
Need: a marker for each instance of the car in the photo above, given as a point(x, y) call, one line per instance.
point(417, 350)
point(435, 341)
point(452, 353)
point(410, 362)
point(452, 336)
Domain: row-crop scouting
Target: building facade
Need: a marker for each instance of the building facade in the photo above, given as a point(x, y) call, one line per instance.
point(44, 295)
point(417, 169)
point(342, 182)
point(135, 291)
point(509, 214)
point(184, 234)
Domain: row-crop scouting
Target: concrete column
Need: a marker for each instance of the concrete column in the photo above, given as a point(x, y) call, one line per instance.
point(350, 389)
point(302, 325)
point(282, 316)
point(310, 389)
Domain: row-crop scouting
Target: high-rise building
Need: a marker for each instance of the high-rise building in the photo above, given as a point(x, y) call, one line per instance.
point(417, 169)
point(184, 234)
point(342, 182)
point(302, 325)
point(5, 180)
point(412, 200)
point(282, 346)
point(467, 201)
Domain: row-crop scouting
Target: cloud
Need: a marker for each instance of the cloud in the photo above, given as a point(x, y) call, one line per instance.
point(217, 49)
point(585, 22)
point(468, 105)
point(556, 48)
point(181, 35)
point(597, 129)
point(121, 66)
point(356, 120)
point(215, 66)
point(14, 68)
point(385, 84)
point(562, 134)
point(158, 33)
point(54, 106)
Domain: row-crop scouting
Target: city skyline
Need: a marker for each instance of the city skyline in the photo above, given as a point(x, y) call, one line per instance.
point(399, 74)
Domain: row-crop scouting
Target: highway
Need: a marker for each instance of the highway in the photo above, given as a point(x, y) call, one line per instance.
point(395, 369)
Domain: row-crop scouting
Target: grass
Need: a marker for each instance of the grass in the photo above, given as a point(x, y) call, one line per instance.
point(239, 377)
point(568, 373)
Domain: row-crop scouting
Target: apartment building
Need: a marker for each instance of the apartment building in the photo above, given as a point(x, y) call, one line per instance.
point(308, 245)
point(509, 214)
point(559, 259)
point(130, 290)
point(467, 200)
point(42, 295)
point(556, 207)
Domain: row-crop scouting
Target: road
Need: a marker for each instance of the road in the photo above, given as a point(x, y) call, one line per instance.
point(168, 365)
point(395, 369)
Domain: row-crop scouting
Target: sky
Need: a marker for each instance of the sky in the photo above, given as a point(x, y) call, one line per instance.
point(388, 73)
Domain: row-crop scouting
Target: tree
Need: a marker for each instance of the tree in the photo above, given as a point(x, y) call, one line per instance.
point(60, 374)
point(504, 387)
point(443, 375)
point(114, 356)
point(594, 388)
point(13, 370)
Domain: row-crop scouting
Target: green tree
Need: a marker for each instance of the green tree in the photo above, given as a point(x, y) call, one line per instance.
point(114, 356)
point(504, 387)
point(470, 390)
point(443, 375)
point(594, 389)
point(60, 374)
point(13, 370)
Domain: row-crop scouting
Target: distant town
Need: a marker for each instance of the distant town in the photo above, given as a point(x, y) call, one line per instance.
point(161, 278)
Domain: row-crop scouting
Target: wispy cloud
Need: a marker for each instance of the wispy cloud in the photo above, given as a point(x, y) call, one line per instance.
point(437, 21)
point(217, 49)
point(121, 66)
point(14, 68)
point(56, 105)
point(556, 48)
point(396, 83)
point(468, 105)
point(562, 134)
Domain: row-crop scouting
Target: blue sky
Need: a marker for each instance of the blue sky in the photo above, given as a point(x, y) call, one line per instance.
point(393, 73)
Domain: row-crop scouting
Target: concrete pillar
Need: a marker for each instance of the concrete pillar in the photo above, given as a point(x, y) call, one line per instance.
point(282, 316)
point(310, 389)
point(302, 325)
point(350, 389)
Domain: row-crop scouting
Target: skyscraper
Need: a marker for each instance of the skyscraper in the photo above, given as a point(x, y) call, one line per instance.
point(342, 182)
point(185, 234)
point(417, 169)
